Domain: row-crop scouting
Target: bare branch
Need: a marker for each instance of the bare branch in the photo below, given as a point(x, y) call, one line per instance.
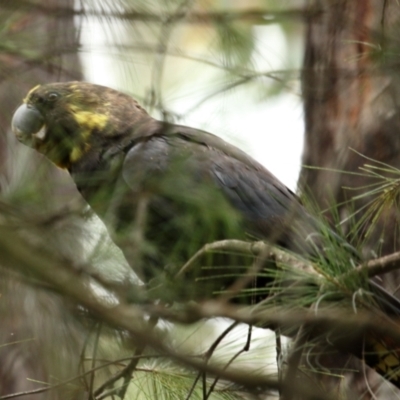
point(245, 348)
point(252, 248)
point(251, 15)
point(20, 254)
point(381, 265)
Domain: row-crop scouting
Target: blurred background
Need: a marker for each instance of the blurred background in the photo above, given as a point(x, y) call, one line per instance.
point(291, 82)
point(225, 77)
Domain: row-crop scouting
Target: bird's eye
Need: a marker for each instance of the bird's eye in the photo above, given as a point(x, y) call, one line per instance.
point(52, 96)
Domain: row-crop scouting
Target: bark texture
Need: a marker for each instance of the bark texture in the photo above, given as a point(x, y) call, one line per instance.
point(351, 87)
point(40, 338)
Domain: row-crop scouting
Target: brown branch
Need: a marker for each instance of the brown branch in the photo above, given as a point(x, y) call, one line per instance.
point(329, 320)
point(252, 248)
point(17, 253)
point(20, 254)
point(250, 274)
point(381, 265)
point(253, 15)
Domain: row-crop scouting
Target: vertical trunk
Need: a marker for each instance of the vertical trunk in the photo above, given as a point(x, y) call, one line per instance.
point(39, 335)
point(352, 96)
point(351, 89)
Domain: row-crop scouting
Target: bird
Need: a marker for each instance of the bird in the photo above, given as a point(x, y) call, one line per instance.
point(198, 188)
point(165, 190)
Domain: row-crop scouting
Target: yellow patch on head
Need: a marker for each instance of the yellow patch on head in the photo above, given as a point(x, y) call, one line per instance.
point(89, 120)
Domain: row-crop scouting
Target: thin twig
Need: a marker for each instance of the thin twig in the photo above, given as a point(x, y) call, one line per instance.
point(279, 357)
point(168, 24)
point(127, 375)
point(127, 371)
point(210, 352)
point(245, 348)
point(94, 357)
point(259, 15)
point(80, 376)
point(81, 366)
point(251, 248)
point(249, 276)
point(380, 266)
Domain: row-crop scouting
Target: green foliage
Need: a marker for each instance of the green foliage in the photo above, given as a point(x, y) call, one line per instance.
point(163, 380)
point(235, 44)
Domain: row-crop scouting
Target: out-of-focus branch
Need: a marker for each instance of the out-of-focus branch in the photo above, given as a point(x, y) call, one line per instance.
point(67, 279)
point(252, 248)
point(284, 318)
point(17, 253)
point(245, 348)
point(253, 15)
point(209, 354)
point(372, 268)
point(381, 265)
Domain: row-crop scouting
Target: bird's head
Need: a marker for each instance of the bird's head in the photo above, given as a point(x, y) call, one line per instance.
point(64, 120)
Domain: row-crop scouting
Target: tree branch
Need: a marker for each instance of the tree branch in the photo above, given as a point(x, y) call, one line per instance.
point(381, 265)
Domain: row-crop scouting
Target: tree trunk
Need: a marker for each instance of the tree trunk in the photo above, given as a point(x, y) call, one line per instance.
point(39, 334)
point(351, 88)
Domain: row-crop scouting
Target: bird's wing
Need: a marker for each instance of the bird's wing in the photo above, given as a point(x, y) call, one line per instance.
point(179, 158)
point(269, 208)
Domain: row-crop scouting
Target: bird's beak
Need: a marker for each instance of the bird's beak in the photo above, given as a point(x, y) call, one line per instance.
point(28, 124)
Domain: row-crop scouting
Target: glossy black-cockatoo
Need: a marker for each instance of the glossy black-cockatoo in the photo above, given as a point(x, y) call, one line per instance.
point(165, 190)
